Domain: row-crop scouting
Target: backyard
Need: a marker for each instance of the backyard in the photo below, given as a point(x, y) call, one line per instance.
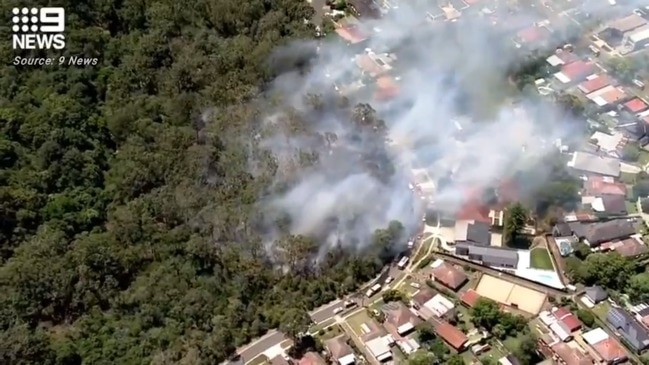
point(540, 259)
point(357, 320)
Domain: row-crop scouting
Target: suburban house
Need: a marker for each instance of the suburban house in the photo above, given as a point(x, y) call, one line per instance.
point(567, 319)
point(608, 96)
point(603, 185)
point(339, 351)
point(594, 83)
point(380, 348)
point(629, 247)
point(488, 256)
point(593, 164)
point(448, 275)
point(430, 304)
point(562, 229)
point(633, 332)
point(352, 34)
point(561, 322)
point(596, 294)
point(509, 360)
point(312, 358)
point(575, 72)
point(469, 298)
point(611, 144)
point(598, 233)
point(455, 338)
point(606, 348)
point(399, 320)
point(636, 105)
point(570, 354)
point(561, 57)
point(606, 205)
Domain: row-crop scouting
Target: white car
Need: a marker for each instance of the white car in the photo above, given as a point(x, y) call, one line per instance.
point(415, 285)
point(338, 310)
point(349, 303)
point(388, 280)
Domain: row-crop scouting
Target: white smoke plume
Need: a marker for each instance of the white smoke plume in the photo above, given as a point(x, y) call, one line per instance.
point(444, 123)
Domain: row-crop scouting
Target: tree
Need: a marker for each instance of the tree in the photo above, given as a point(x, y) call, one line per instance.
point(485, 313)
point(582, 250)
point(295, 322)
point(638, 288)
point(425, 333)
point(622, 68)
point(571, 103)
point(526, 352)
point(455, 359)
point(609, 270)
point(641, 189)
point(515, 220)
point(644, 205)
point(631, 153)
point(439, 349)
point(393, 295)
point(421, 358)
point(586, 317)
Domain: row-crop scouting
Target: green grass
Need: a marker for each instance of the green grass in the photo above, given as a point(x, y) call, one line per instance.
point(512, 343)
point(322, 325)
point(627, 178)
point(331, 332)
point(540, 259)
point(357, 320)
point(631, 207)
point(601, 310)
point(259, 360)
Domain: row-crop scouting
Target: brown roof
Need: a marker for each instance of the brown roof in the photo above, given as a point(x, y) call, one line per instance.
point(470, 297)
point(387, 88)
point(450, 276)
point(279, 360)
point(629, 247)
point(565, 316)
point(423, 295)
point(596, 186)
point(338, 347)
point(452, 335)
point(397, 314)
point(594, 84)
point(311, 358)
point(610, 349)
point(366, 63)
point(628, 23)
point(571, 355)
point(351, 34)
point(613, 96)
point(577, 70)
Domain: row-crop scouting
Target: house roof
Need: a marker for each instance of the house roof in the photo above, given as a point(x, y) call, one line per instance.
point(351, 34)
point(595, 164)
point(596, 293)
point(369, 65)
point(562, 57)
point(614, 204)
point(630, 247)
point(533, 34)
point(491, 255)
point(470, 297)
point(636, 105)
point(627, 23)
point(598, 185)
point(338, 347)
point(612, 96)
point(571, 355)
point(423, 295)
point(594, 84)
point(452, 335)
point(397, 314)
point(387, 88)
point(563, 229)
point(609, 349)
point(569, 320)
point(600, 232)
point(473, 210)
point(636, 335)
point(449, 275)
point(478, 232)
point(577, 70)
point(311, 358)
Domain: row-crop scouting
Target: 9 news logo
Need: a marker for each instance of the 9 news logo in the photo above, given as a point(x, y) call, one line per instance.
point(38, 28)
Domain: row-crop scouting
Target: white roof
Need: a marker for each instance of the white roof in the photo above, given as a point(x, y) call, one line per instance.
point(547, 318)
point(436, 263)
point(378, 347)
point(558, 330)
point(439, 305)
point(405, 328)
point(608, 142)
point(561, 77)
point(347, 359)
point(595, 336)
point(598, 205)
point(554, 60)
point(640, 35)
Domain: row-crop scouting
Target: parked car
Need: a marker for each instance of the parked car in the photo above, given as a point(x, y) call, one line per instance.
point(415, 285)
point(338, 310)
point(388, 280)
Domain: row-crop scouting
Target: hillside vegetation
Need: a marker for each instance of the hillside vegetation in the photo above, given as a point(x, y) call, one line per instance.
point(127, 203)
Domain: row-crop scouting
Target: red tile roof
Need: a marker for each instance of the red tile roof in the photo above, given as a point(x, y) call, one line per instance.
point(613, 96)
point(577, 70)
point(450, 276)
point(470, 297)
point(473, 209)
point(596, 185)
point(570, 355)
point(351, 34)
point(610, 350)
point(594, 84)
point(636, 105)
point(452, 335)
point(533, 34)
point(387, 88)
point(311, 358)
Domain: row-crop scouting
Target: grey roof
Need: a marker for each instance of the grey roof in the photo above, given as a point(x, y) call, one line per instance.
point(631, 330)
point(478, 233)
point(601, 232)
point(596, 293)
point(595, 164)
point(562, 229)
point(628, 23)
point(578, 228)
point(614, 204)
point(491, 255)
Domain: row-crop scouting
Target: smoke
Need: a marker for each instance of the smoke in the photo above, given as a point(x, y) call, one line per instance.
point(453, 119)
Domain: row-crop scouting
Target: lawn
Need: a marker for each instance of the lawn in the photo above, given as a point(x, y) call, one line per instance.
point(331, 332)
point(601, 310)
point(259, 360)
point(627, 178)
point(322, 325)
point(512, 343)
point(540, 258)
point(631, 207)
point(356, 321)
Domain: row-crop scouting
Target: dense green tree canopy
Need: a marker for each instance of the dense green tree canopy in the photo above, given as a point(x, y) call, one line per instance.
point(128, 221)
